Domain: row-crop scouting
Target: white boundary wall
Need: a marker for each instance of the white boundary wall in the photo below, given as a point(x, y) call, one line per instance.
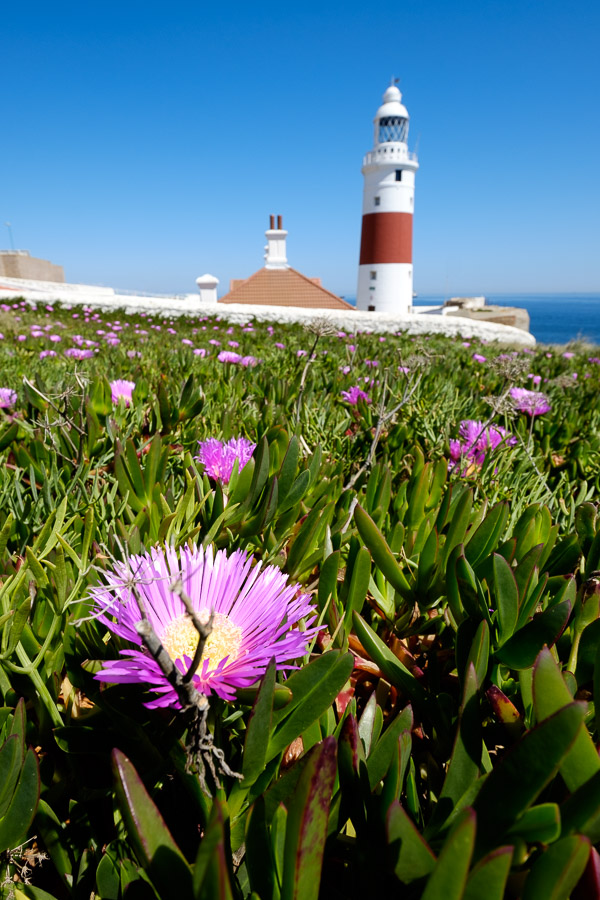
point(415, 322)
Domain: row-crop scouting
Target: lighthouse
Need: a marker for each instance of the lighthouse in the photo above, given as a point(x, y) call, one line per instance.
point(385, 272)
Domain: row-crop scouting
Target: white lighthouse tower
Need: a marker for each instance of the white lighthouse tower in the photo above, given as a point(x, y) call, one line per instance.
point(385, 272)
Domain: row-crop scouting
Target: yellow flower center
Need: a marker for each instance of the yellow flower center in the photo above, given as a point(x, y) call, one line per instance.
point(180, 638)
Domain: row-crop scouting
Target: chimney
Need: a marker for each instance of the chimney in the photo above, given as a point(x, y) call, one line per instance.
point(275, 256)
point(207, 285)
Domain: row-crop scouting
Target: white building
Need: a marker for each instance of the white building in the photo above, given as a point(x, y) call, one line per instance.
point(385, 273)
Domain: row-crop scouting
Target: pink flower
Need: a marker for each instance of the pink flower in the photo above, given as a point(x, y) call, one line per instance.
point(187, 342)
point(200, 351)
point(8, 398)
point(228, 356)
point(477, 357)
point(122, 389)
point(354, 394)
point(218, 458)
point(477, 440)
point(279, 346)
point(45, 353)
point(214, 342)
point(568, 355)
point(233, 343)
point(255, 619)
point(249, 361)
point(76, 353)
point(533, 403)
point(301, 353)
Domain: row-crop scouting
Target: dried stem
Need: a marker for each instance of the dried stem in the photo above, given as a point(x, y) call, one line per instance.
point(201, 749)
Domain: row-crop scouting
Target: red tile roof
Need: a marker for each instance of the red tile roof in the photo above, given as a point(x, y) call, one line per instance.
point(283, 287)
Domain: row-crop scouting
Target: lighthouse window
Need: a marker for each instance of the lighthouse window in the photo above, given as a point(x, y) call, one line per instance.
point(373, 276)
point(377, 201)
point(398, 174)
point(393, 128)
point(371, 308)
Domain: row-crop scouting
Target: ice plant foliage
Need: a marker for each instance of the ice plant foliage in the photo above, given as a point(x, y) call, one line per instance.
point(255, 619)
point(475, 441)
point(122, 389)
point(218, 457)
point(534, 403)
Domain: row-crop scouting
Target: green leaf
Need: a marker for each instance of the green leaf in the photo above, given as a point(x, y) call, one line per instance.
point(580, 812)
point(410, 854)
point(465, 762)
point(483, 540)
point(359, 584)
point(479, 653)
point(305, 539)
point(36, 568)
point(488, 879)
point(259, 856)
point(538, 824)
point(550, 694)
point(521, 650)
point(259, 728)
point(557, 870)
point(149, 836)
point(11, 760)
point(288, 468)
point(281, 695)
point(516, 781)
point(449, 877)
point(108, 877)
point(395, 671)
point(314, 688)
point(51, 829)
point(21, 811)
point(380, 757)
point(211, 871)
point(5, 533)
point(459, 523)
point(506, 596)
point(308, 813)
point(381, 553)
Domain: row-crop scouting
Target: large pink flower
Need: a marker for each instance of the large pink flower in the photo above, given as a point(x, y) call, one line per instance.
point(255, 617)
point(120, 388)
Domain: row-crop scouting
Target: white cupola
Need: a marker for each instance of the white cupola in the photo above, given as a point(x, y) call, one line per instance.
point(391, 119)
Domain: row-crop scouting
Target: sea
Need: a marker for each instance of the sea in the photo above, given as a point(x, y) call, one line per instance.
point(554, 318)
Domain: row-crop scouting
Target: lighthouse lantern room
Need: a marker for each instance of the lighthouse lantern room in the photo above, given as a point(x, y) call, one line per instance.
point(385, 273)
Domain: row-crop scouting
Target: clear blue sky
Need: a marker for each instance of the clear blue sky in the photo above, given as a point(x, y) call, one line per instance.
point(147, 143)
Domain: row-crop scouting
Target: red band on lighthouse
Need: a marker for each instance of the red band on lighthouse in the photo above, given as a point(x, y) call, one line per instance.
point(386, 238)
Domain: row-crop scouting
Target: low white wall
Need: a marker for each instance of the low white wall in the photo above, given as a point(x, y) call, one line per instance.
point(190, 304)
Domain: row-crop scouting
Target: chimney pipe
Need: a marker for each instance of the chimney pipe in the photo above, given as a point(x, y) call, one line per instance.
point(271, 222)
point(279, 225)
